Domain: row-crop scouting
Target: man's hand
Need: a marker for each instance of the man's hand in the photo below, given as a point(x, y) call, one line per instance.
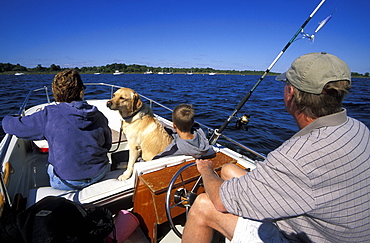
point(204, 166)
point(211, 181)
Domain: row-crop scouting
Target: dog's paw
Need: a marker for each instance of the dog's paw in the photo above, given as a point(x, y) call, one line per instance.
point(124, 176)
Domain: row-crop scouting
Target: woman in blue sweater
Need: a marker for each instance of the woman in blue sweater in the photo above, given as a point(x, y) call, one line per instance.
point(77, 133)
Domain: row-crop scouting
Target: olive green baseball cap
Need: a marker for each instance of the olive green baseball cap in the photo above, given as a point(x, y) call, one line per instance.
point(311, 72)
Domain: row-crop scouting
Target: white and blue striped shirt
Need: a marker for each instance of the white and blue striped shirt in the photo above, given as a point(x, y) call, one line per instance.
point(315, 186)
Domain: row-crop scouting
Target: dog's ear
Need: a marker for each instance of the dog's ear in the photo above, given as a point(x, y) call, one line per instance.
point(137, 103)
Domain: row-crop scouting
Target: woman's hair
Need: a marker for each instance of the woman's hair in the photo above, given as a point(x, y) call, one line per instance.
point(183, 117)
point(326, 103)
point(67, 86)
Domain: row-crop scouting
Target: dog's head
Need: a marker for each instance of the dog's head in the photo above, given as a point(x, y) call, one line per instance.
point(126, 100)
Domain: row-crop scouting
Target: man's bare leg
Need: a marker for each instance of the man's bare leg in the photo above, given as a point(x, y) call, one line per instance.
point(203, 218)
point(229, 171)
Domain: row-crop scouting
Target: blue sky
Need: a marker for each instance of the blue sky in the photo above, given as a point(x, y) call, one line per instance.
point(233, 34)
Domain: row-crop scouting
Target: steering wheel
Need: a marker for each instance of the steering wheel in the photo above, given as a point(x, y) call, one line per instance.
point(182, 197)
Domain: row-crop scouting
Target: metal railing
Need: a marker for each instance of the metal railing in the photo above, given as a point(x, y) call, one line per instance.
point(21, 112)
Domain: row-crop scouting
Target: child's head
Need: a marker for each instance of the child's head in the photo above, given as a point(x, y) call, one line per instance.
point(67, 86)
point(183, 117)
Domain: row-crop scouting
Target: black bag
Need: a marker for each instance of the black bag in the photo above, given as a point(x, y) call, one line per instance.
point(56, 219)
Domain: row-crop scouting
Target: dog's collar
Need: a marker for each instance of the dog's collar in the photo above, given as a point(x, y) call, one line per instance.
point(133, 114)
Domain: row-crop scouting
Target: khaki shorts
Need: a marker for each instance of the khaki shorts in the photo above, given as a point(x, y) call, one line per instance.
point(250, 231)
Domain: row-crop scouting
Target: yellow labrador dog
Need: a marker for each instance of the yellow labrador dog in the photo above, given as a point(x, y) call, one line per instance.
point(145, 135)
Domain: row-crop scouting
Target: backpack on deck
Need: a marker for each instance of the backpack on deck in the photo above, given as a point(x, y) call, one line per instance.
point(56, 219)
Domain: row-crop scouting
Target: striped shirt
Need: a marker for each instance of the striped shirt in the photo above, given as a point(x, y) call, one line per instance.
point(315, 186)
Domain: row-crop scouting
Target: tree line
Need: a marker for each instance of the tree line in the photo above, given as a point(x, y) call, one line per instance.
point(8, 68)
point(110, 68)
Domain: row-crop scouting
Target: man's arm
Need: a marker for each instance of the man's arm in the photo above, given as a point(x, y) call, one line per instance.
point(212, 183)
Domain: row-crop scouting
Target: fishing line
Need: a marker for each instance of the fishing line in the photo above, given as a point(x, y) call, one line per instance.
point(217, 132)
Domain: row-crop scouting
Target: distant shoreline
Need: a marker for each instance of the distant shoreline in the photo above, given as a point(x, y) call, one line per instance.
point(11, 69)
point(183, 73)
point(175, 73)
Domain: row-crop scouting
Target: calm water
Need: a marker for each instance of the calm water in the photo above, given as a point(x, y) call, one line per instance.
point(214, 99)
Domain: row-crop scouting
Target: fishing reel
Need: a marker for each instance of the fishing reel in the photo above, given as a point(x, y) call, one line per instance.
point(242, 122)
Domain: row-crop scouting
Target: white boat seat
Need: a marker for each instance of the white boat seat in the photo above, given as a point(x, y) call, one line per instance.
point(110, 185)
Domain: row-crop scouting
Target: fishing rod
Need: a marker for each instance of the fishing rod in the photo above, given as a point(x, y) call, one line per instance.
point(217, 132)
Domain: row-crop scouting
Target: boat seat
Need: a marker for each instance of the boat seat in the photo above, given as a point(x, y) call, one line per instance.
point(109, 186)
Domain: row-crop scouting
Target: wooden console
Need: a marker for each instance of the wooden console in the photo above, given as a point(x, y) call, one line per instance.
point(150, 193)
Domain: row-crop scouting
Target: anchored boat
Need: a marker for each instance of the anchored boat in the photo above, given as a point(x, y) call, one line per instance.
point(117, 72)
point(159, 193)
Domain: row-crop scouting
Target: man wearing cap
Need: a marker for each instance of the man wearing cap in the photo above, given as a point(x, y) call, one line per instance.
point(313, 188)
